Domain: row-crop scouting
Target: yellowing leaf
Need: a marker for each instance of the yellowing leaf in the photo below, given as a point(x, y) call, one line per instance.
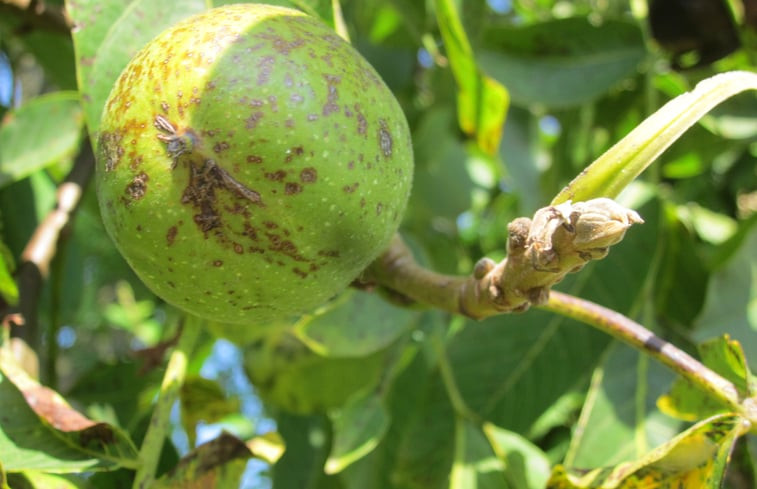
point(695, 459)
point(725, 357)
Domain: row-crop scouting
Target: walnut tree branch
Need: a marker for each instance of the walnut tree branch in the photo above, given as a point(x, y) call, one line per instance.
point(634, 334)
point(42, 246)
point(558, 240)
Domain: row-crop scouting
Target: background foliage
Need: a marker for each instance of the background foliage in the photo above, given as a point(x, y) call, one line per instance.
point(367, 394)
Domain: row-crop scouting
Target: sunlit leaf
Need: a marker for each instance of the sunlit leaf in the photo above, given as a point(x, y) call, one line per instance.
point(41, 132)
point(268, 446)
point(42, 480)
point(8, 286)
point(695, 459)
point(481, 101)
point(622, 163)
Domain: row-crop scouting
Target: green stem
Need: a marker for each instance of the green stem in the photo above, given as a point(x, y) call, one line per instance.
point(622, 328)
point(173, 379)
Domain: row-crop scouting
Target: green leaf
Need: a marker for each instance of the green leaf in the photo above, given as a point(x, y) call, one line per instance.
point(109, 34)
point(41, 132)
point(40, 431)
point(619, 421)
point(358, 428)
point(695, 459)
point(55, 52)
point(481, 101)
point(730, 306)
point(526, 466)
point(509, 369)
point(354, 325)
point(564, 62)
point(725, 357)
point(475, 463)
point(623, 162)
point(203, 400)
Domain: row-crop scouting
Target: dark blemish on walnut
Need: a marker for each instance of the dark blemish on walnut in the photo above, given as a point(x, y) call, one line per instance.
point(171, 235)
point(292, 188)
point(329, 253)
point(292, 152)
point(308, 175)
point(276, 176)
point(254, 159)
point(201, 193)
point(137, 188)
point(333, 95)
point(164, 107)
point(348, 189)
point(362, 123)
point(385, 139)
point(220, 147)
point(111, 149)
point(285, 247)
point(379, 208)
point(299, 272)
point(252, 121)
point(218, 263)
point(238, 248)
point(273, 103)
point(136, 162)
point(265, 65)
point(270, 225)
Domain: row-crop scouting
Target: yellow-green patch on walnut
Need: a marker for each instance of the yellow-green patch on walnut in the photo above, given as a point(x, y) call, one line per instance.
point(251, 164)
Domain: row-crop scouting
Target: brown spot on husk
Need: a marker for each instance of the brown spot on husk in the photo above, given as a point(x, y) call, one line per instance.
point(137, 188)
point(308, 175)
point(171, 235)
point(292, 188)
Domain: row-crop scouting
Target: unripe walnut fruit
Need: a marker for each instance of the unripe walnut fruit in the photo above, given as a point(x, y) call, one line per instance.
point(250, 164)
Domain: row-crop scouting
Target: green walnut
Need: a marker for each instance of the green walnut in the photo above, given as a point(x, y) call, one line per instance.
point(250, 164)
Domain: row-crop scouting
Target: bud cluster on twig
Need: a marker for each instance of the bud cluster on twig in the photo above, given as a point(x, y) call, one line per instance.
point(558, 240)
